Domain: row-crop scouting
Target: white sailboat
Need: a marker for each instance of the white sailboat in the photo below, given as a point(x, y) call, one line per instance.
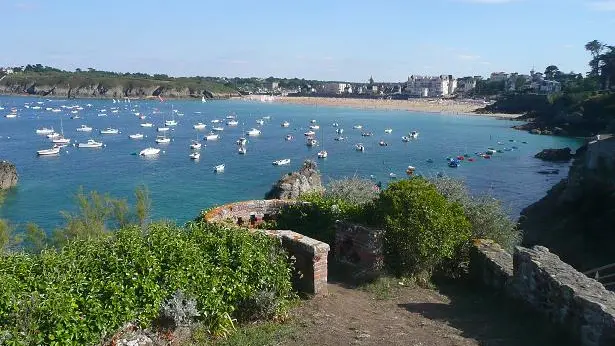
point(323, 153)
point(203, 99)
point(242, 150)
point(61, 140)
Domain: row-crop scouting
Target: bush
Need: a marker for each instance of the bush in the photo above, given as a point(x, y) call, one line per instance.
point(352, 190)
point(486, 215)
point(91, 287)
point(422, 228)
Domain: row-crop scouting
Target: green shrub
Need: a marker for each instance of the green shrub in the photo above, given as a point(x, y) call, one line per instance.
point(422, 228)
point(352, 190)
point(485, 213)
point(93, 286)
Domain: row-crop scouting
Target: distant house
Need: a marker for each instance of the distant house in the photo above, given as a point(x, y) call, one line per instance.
point(466, 84)
point(498, 76)
point(334, 88)
point(431, 86)
point(6, 70)
point(272, 86)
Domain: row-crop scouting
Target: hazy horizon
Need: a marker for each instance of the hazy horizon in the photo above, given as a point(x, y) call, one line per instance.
point(341, 41)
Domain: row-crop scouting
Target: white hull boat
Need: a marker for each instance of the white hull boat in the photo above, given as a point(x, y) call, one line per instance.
point(44, 131)
point(219, 168)
point(309, 133)
point(109, 131)
point(163, 140)
point(90, 144)
point(322, 154)
point(147, 125)
point(11, 116)
point(388, 131)
point(47, 152)
point(170, 123)
point(61, 141)
point(242, 141)
point(289, 137)
point(232, 123)
point(359, 147)
point(199, 126)
point(413, 135)
point(136, 136)
point(217, 129)
point(357, 127)
point(211, 137)
point(149, 152)
point(311, 142)
point(84, 128)
point(163, 129)
point(253, 132)
point(195, 156)
point(195, 145)
point(314, 127)
point(242, 150)
point(285, 124)
point(281, 162)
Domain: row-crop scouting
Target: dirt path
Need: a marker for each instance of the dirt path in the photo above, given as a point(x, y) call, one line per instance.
point(451, 315)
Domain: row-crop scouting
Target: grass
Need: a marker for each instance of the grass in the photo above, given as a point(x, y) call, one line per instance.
point(261, 334)
point(385, 287)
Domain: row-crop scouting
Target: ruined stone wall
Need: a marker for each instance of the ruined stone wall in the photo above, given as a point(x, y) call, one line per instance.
point(309, 255)
point(581, 306)
point(359, 246)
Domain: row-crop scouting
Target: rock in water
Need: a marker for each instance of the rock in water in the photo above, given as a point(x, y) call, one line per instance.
point(293, 185)
point(8, 175)
point(555, 154)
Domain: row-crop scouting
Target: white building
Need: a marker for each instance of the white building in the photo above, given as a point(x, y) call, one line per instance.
point(428, 86)
point(498, 76)
point(466, 84)
point(7, 70)
point(334, 88)
point(549, 86)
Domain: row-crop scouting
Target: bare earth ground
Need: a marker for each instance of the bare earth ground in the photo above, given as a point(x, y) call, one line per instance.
point(450, 107)
point(450, 315)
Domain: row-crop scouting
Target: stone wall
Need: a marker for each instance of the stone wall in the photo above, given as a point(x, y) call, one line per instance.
point(581, 306)
point(359, 246)
point(309, 255)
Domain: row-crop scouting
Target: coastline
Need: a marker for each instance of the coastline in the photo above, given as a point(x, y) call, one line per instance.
point(448, 107)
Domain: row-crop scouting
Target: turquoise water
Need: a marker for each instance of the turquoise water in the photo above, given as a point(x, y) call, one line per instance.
point(180, 188)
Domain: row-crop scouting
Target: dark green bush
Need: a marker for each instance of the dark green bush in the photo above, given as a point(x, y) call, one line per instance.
point(422, 228)
point(91, 287)
point(352, 190)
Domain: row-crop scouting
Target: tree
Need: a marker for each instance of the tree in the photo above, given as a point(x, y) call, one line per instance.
point(595, 47)
point(551, 72)
point(77, 70)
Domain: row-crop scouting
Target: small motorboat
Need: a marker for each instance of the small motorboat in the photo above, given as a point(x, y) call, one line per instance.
point(53, 135)
point(163, 140)
point(242, 141)
point(359, 147)
point(490, 151)
point(232, 122)
point(149, 152)
point(215, 121)
point(314, 127)
point(405, 139)
point(339, 131)
point(136, 136)
point(392, 175)
point(61, 141)
point(147, 125)
point(11, 116)
point(199, 126)
point(357, 127)
point(260, 121)
point(311, 142)
point(288, 137)
point(45, 131)
point(211, 137)
point(109, 131)
point(281, 162)
point(219, 168)
point(48, 152)
point(453, 164)
point(382, 144)
point(388, 131)
point(313, 121)
point(195, 145)
point(413, 135)
point(84, 128)
point(163, 129)
point(217, 129)
point(285, 124)
point(549, 171)
point(90, 144)
point(195, 156)
point(339, 138)
point(335, 125)
point(242, 150)
point(309, 133)
point(410, 170)
point(267, 117)
point(429, 160)
point(322, 154)
point(253, 132)
point(367, 134)
point(170, 123)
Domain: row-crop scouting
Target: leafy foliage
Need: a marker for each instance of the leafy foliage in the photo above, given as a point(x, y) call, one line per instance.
point(352, 190)
point(92, 286)
point(422, 228)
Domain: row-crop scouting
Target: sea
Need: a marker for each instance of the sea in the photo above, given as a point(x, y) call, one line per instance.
point(180, 188)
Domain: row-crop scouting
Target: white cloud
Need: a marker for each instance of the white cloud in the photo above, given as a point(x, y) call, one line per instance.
point(602, 5)
point(468, 57)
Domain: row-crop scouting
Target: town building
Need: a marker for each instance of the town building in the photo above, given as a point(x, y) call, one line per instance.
point(431, 86)
point(6, 70)
point(466, 84)
point(272, 86)
point(498, 76)
point(334, 88)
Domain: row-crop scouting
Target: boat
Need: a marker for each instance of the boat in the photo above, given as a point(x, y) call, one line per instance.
point(357, 127)
point(289, 137)
point(199, 126)
point(335, 125)
point(314, 127)
point(195, 145)
point(61, 140)
point(413, 135)
point(309, 133)
point(253, 132)
point(84, 128)
point(453, 163)
point(267, 117)
point(367, 134)
point(382, 144)
point(163, 140)
point(219, 168)
point(211, 137)
point(109, 131)
point(149, 151)
point(392, 175)
point(147, 125)
point(260, 121)
point(215, 121)
point(405, 139)
point(11, 115)
point(203, 99)
point(339, 131)
point(491, 151)
point(44, 131)
point(90, 144)
point(322, 154)
point(388, 131)
point(285, 124)
point(339, 138)
point(359, 147)
point(163, 129)
point(311, 142)
point(218, 129)
point(53, 135)
point(410, 170)
point(313, 121)
point(281, 162)
point(136, 136)
point(47, 152)
point(195, 156)
point(242, 150)
point(170, 123)
point(232, 123)
point(229, 117)
point(242, 141)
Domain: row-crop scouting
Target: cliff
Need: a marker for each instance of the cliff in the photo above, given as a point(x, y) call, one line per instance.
point(576, 219)
point(8, 175)
point(293, 185)
point(75, 85)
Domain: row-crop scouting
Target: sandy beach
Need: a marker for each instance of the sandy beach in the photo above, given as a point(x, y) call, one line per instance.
point(453, 107)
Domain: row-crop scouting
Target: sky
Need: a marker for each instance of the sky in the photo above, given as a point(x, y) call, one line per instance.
point(316, 39)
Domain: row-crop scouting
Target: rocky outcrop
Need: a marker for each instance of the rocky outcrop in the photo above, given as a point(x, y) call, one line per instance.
point(8, 175)
point(576, 219)
point(564, 154)
point(293, 185)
